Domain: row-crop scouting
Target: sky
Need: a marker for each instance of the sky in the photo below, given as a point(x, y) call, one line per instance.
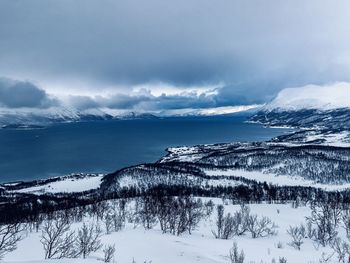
point(158, 54)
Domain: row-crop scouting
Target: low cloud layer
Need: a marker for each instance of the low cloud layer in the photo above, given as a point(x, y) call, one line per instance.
point(144, 101)
point(19, 94)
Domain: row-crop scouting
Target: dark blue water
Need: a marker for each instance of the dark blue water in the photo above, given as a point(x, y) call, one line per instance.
point(110, 145)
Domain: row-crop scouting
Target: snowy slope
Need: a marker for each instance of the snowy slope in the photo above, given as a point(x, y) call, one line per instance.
point(74, 183)
point(310, 106)
point(326, 97)
point(69, 185)
point(153, 246)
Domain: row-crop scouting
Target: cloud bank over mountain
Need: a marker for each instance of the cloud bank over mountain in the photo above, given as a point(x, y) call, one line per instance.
point(94, 52)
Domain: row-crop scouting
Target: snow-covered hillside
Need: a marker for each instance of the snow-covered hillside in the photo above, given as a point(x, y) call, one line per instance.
point(310, 106)
point(325, 97)
point(141, 245)
point(64, 184)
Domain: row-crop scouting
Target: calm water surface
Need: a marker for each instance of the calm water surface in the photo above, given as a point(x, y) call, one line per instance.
point(110, 145)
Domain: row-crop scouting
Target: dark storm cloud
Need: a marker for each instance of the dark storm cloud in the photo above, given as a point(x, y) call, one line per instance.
point(254, 48)
point(17, 94)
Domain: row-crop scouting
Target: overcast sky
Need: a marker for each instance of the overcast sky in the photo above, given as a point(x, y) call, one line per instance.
point(136, 54)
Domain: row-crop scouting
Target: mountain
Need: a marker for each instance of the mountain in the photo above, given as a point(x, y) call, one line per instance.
point(309, 107)
point(327, 97)
point(36, 118)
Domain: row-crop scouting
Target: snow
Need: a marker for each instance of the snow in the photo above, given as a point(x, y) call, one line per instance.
point(325, 97)
point(274, 179)
point(69, 185)
point(340, 139)
point(30, 116)
point(208, 111)
point(151, 245)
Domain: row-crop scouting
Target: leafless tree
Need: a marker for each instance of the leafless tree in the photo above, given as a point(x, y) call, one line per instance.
point(57, 239)
point(108, 253)
point(146, 211)
point(282, 260)
point(88, 239)
point(235, 256)
point(228, 227)
point(241, 219)
point(341, 250)
point(9, 237)
point(261, 227)
point(298, 234)
point(209, 208)
point(109, 223)
point(346, 222)
point(236, 225)
point(194, 212)
point(324, 219)
point(219, 221)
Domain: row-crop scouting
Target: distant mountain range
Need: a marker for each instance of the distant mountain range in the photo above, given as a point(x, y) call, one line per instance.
point(23, 118)
point(36, 118)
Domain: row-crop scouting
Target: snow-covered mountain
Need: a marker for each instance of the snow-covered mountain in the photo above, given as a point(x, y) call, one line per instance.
point(309, 107)
point(327, 97)
point(26, 116)
point(29, 117)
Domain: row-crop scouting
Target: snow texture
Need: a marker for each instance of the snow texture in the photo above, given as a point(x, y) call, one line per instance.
point(151, 245)
point(326, 97)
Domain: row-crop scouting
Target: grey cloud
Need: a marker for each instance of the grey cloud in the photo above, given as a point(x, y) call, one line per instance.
point(82, 102)
point(243, 44)
point(17, 94)
point(123, 101)
point(144, 101)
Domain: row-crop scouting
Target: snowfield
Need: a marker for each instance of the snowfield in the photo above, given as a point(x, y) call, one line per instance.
point(68, 185)
point(274, 179)
point(153, 246)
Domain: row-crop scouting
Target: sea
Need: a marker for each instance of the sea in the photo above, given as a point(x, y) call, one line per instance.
point(106, 146)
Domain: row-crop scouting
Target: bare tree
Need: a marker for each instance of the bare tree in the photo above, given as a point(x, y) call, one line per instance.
point(146, 211)
point(57, 239)
point(109, 223)
point(341, 250)
point(235, 256)
point(88, 239)
point(108, 253)
point(9, 236)
point(282, 260)
point(261, 227)
point(228, 227)
point(219, 221)
point(209, 208)
point(241, 219)
point(297, 234)
point(324, 219)
point(346, 222)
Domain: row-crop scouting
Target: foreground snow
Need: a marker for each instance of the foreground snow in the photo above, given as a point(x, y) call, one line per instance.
point(201, 246)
